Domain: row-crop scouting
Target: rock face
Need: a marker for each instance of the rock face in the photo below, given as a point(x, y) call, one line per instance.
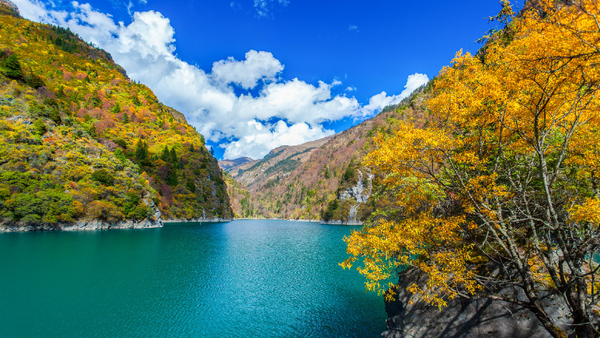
point(154, 221)
point(10, 4)
point(358, 194)
point(81, 225)
point(410, 318)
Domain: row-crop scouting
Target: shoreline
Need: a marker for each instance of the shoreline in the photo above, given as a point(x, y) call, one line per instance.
point(82, 225)
point(198, 220)
point(300, 220)
point(95, 225)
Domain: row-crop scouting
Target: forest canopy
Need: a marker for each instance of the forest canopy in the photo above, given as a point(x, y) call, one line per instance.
point(501, 187)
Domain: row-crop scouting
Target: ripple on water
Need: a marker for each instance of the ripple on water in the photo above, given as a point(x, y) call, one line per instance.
point(238, 279)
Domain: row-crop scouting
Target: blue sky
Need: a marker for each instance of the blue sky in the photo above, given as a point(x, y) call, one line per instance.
point(255, 74)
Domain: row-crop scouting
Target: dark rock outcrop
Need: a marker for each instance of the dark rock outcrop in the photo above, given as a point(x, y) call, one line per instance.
point(411, 318)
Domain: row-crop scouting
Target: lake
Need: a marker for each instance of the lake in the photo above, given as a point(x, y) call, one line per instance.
point(247, 278)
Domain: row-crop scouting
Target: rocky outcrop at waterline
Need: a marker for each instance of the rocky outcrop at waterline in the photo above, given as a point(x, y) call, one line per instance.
point(82, 225)
point(199, 220)
point(463, 318)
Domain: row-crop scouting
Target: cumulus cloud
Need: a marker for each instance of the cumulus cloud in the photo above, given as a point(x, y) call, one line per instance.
point(247, 73)
point(381, 100)
point(353, 28)
point(282, 112)
point(267, 139)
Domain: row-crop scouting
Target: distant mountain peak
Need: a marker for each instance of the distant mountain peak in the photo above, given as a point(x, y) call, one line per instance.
point(228, 164)
point(11, 6)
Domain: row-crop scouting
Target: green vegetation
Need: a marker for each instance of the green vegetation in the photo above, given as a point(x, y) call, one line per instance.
point(79, 140)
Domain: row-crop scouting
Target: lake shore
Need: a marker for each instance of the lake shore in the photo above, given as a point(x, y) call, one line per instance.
point(82, 225)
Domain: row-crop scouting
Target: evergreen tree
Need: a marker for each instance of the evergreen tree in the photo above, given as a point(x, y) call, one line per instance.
point(13, 68)
point(173, 178)
point(117, 109)
point(135, 100)
point(174, 157)
point(125, 118)
point(141, 151)
point(166, 154)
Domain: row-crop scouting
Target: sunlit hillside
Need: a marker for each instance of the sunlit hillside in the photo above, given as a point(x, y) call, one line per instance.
point(80, 140)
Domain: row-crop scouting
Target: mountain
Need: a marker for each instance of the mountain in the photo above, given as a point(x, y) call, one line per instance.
point(230, 165)
point(81, 142)
point(322, 179)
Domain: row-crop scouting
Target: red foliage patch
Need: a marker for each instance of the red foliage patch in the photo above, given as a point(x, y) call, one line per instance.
point(167, 194)
point(99, 114)
point(81, 112)
point(67, 76)
point(45, 92)
point(108, 143)
point(102, 126)
point(181, 129)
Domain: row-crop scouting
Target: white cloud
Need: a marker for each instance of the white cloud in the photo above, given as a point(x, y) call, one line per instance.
point(267, 139)
point(413, 82)
point(353, 28)
point(351, 89)
point(381, 100)
point(247, 73)
point(263, 6)
point(284, 112)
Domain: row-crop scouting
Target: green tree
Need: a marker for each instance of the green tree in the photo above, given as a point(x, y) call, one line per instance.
point(141, 151)
point(13, 68)
point(40, 127)
point(103, 176)
point(173, 157)
point(166, 154)
point(117, 109)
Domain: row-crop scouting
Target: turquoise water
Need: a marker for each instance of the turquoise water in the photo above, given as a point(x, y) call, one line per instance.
point(237, 279)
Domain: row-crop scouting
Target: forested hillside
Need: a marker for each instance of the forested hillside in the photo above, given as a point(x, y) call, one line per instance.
point(323, 179)
point(79, 140)
point(497, 195)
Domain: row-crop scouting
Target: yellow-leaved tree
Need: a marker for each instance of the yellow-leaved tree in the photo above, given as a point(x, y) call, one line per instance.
point(502, 187)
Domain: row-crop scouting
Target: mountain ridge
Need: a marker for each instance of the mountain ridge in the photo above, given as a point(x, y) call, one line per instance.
point(80, 142)
point(328, 182)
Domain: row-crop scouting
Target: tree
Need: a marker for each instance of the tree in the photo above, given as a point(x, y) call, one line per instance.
point(173, 156)
point(103, 176)
point(117, 109)
point(13, 68)
point(141, 151)
point(166, 154)
point(40, 126)
point(502, 188)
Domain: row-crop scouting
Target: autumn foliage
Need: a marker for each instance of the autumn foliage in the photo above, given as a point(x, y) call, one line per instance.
point(501, 188)
point(80, 140)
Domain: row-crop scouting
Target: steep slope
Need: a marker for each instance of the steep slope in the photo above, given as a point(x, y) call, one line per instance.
point(322, 179)
point(235, 165)
point(80, 141)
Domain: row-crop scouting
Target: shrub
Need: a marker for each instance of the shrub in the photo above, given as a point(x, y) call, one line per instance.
point(103, 176)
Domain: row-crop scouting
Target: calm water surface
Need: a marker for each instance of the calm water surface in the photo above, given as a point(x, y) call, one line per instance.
point(238, 279)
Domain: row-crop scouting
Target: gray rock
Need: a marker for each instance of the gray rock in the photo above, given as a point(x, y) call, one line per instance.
point(10, 4)
point(154, 221)
point(412, 318)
